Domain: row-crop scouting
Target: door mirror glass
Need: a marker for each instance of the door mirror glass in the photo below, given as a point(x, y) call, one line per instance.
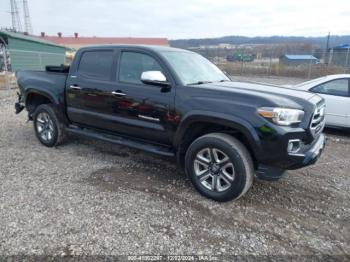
point(154, 78)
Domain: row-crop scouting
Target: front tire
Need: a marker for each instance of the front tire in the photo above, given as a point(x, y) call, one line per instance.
point(49, 131)
point(220, 167)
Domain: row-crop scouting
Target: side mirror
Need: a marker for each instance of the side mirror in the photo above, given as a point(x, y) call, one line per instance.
point(154, 78)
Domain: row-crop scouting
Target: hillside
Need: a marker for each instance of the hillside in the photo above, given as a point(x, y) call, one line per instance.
point(317, 41)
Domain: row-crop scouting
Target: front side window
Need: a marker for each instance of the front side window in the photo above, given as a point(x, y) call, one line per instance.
point(96, 64)
point(339, 87)
point(133, 64)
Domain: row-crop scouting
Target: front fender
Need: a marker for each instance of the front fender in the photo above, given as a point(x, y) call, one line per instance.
point(231, 121)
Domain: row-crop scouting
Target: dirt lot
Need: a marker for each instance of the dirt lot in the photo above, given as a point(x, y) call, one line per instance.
point(93, 198)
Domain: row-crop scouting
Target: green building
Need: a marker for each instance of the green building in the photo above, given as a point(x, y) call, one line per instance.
point(30, 53)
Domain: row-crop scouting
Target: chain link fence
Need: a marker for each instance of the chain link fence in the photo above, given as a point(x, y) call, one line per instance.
point(306, 65)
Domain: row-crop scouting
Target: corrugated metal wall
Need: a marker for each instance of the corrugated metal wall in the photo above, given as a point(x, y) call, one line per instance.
point(34, 55)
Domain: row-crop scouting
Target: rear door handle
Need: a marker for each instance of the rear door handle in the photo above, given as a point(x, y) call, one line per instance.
point(75, 87)
point(118, 93)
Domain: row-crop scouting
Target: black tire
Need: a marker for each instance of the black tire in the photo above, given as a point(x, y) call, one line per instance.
point(52, 126)
point(240, 170)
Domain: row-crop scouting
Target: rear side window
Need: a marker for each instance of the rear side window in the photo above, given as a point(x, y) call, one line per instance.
point(339, 87)
point(133, 64)
point(96, 64)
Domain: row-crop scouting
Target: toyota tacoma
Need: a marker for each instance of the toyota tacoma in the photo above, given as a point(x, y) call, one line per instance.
point(176, 103)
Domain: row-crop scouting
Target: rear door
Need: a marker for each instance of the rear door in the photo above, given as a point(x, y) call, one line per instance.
point(89, 87)
point(337, 96)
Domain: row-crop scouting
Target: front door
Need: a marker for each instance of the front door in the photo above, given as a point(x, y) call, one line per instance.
point(143, 111)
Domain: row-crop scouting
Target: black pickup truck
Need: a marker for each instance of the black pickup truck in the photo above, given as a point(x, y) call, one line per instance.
point(176, 103)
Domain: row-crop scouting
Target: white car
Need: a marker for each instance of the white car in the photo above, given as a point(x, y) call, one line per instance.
point(335, 89)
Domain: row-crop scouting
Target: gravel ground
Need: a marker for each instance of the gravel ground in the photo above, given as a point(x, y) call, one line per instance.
point(92, 198)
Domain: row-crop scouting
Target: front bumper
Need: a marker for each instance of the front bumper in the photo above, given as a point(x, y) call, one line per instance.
point(310, 156)
point(293, 161)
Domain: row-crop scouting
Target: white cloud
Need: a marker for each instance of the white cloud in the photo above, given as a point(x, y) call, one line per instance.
point(187, 19)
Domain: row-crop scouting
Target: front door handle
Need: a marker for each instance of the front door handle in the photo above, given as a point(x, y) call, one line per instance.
point(75, 87)
point(118, 93)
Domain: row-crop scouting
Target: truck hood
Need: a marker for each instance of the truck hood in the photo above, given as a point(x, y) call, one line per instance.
point(261, 89)
point(281, 96)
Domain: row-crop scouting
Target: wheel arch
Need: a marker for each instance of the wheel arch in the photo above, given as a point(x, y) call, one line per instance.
point(35, 97)
point(200, 123)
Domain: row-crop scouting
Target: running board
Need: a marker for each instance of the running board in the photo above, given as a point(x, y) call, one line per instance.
point(156, 149)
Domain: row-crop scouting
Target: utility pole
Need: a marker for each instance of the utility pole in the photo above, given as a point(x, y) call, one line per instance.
point(27, 22)
point(16, 20)
point(346, 60)
point(326, 53)
point(328, 37)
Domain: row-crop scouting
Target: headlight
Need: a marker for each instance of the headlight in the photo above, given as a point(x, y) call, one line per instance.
point(282, 116)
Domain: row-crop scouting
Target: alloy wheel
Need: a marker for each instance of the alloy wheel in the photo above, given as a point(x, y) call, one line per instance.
point(214, 169)
point(45, 127)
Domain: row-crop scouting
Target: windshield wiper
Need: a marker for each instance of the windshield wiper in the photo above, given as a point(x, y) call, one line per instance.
point(225, 80)
point(200, 83)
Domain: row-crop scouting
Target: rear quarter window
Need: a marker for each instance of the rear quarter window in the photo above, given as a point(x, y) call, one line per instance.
point(96, 64)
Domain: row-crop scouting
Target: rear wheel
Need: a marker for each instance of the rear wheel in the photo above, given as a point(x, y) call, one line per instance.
point(48, 129)
point(220, 167)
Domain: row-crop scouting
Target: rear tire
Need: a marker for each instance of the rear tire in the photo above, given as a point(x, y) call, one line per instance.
point(220, 167)
point(48, 129)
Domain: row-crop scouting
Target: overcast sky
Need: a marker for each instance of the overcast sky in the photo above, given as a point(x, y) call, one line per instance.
point(186, 18)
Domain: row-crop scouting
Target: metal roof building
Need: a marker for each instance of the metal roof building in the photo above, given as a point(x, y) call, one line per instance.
point(298, 59)
point(28, 52)
point(75, 42)
point(339, 55)
point(341, 47)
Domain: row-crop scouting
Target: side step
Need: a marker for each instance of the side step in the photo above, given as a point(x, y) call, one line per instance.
point(156, 149)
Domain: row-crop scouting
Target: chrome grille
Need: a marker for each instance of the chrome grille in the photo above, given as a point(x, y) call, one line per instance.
point(318, 119)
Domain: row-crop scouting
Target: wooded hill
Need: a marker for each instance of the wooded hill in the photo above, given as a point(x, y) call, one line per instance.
point(237, 40)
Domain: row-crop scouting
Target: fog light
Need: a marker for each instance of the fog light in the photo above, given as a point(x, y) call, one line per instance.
point(293, 145)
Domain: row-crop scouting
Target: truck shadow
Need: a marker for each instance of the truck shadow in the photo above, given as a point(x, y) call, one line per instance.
point(155, 175)
point(337, 131)
point(159, 178)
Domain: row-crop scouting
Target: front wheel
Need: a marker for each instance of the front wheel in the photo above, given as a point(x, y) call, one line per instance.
point(48, 129)
point(219, 166)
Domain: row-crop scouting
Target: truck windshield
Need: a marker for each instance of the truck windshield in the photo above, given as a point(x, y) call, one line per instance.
point(194, 69)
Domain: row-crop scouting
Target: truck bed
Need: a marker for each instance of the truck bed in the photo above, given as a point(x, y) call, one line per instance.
point(48, 81)
point(47, 84)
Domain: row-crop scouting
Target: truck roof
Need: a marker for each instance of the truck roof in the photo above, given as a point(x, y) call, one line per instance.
point(155, 48)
